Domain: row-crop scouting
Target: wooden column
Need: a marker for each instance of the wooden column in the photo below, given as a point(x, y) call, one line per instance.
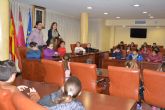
point(4, 30)
point(84, 27)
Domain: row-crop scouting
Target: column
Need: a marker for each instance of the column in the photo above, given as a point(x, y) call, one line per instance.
point(4, 30)
point(112, 38)
point(84, 27)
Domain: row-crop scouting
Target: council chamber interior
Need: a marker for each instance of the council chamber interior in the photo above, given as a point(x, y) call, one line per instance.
point(82, 55)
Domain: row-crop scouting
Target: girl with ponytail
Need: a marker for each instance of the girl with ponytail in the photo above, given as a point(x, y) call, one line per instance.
point(65, 98)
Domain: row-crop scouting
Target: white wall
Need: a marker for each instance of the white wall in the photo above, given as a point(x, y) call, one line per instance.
point(154, 34)
point(69, 28)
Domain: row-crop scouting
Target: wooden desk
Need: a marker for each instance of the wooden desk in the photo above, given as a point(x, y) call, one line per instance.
point(112, 62)
point(95, 101)
point(95, 57)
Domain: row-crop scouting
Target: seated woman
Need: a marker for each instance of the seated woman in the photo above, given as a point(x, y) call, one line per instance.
point(65, 98)
point(49, 52)
point(61, 49)
point(155, 56)
point(117, 54)
point(90, 49)
point(78, 48)
point(135, 56)
point(33, 52)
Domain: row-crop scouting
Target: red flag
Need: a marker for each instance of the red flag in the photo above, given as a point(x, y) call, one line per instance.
point(12, 38)
point(20, 37)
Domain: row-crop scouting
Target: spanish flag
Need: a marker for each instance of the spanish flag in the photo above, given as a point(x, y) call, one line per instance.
point(12, 38)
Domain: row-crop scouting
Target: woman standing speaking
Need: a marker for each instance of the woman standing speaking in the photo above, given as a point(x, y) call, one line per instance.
point(53, 35)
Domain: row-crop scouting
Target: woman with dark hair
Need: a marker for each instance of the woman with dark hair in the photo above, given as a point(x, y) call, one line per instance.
point(53, 34)
point(61, 49)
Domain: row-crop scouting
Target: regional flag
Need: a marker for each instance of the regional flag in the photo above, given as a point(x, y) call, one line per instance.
point(29, 29)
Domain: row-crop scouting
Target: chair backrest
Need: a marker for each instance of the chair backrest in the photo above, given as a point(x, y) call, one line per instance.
point(86, 73)
point(33, 70)
point(124, 82)
point(154, 91)
point(72, 46)
point(150, 65)
point(11, 99)
point(54, 72)
point(21, 55)
point(162, 50)
point(112, 62)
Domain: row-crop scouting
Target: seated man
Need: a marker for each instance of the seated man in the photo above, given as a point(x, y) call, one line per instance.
point(33, 52)
point(90, 49)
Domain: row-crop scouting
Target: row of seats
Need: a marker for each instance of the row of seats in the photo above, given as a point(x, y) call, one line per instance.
point(121, 63)
point(124, 82)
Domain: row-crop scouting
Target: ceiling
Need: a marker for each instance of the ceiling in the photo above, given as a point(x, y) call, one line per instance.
point(122, 8)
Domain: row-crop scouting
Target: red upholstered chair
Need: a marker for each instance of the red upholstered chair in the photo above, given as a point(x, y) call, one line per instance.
point(87, 75)
point(154, 91)
point(54, 72)
point(124, 82)
point(11, 99)
point(31, 69)
point(72, 46)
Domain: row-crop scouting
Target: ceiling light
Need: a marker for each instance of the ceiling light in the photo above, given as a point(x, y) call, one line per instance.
point(106, 13)
point(89, 8)
point(145, 12)
point(117, 17)
point(151, 17)
point(136, 5)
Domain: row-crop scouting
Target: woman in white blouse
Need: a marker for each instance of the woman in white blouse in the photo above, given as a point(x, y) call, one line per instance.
point(78, 48)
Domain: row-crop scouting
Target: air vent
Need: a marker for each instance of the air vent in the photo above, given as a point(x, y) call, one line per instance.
point(140, 22)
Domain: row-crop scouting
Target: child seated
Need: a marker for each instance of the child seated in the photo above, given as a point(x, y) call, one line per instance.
point(117, 54)
point(155, 56)
point(78, 48)
point(49, 52)
point(135, 56)
point(89, 49)
point(65, 98)
point(61, 49)
point(33, 52)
